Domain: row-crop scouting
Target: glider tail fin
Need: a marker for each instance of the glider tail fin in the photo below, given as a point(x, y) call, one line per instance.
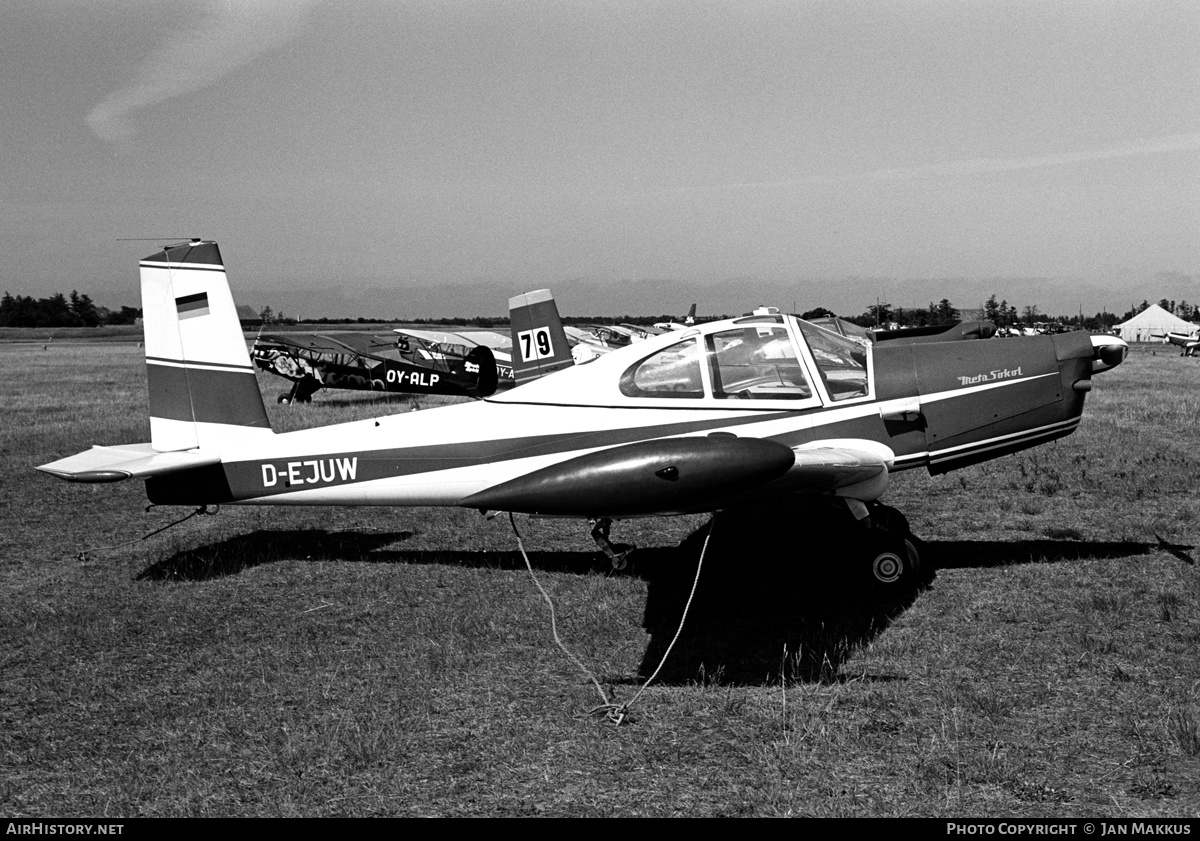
point(539, 341)
point(203, 390)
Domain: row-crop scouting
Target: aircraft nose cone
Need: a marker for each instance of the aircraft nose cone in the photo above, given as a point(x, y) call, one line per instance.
point(1108, 352)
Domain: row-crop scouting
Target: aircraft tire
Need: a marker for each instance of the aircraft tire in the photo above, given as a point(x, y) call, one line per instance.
point(284, 399)
point(890, 520)
point(893, 561)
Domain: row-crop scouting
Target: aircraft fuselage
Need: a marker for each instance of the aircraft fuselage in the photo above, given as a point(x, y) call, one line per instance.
point(939, 406)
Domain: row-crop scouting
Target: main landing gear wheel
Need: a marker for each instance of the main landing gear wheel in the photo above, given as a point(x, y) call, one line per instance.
point(887, 567)
point(894, 561)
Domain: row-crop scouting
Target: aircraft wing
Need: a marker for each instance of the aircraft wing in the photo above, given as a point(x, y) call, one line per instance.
point(688, 475)
point(128, 461)
point(836, 465)
point(489, 338)
point(440, 337)
point(359, 344)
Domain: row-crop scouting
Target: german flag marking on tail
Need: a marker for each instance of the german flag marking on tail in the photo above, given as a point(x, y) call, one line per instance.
point(192, 306)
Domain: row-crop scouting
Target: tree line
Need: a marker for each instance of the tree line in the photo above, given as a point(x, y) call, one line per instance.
point(60, 310)
point(1000, 313)
point(78, 310)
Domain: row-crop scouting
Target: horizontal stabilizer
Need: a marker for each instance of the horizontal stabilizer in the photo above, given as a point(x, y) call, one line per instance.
point(128, 461)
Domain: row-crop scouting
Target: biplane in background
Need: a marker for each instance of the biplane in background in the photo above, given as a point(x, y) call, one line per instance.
point(405, 362)
point(733, 413)
point(462, 341)
point(500, 345)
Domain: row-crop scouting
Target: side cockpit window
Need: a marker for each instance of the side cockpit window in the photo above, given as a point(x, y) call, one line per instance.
point(756, 362)
point(672, 372)
point(842, 362)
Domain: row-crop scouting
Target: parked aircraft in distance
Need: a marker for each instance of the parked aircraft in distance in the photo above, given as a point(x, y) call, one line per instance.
point(640, 331)
point(1015, 331)
point(732, 413)
point(595, 340)
point(933, 333)
point(404, 361)
point(685, 322)
point(584, 346)
point(1188, 342)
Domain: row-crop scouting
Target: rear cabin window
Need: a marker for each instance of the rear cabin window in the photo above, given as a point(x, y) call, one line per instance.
point(672, 372)
point(756, 362)
point(841, 362)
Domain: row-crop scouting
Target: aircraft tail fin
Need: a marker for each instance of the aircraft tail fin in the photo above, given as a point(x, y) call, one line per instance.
point(539, 341)
point(202, 386)
point(484, 361)
point(690, 319)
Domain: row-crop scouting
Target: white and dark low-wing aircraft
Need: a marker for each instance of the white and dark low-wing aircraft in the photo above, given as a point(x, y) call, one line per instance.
point(1188, 343)
point(727, 414)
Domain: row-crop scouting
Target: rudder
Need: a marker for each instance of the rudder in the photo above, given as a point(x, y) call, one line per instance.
point(202, 385)
point(539, 341)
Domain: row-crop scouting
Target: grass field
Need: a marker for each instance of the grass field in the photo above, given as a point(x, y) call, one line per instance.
point(306, 662)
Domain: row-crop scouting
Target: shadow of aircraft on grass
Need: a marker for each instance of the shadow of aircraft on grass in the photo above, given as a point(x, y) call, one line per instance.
point(236, 554)
point(977, 554)
point(246, 551)
point(769, 605)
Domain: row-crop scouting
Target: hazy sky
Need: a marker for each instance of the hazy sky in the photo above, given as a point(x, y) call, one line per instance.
point(513, 145)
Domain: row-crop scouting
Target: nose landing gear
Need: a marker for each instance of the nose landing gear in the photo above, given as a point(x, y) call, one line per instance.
point(618, 554)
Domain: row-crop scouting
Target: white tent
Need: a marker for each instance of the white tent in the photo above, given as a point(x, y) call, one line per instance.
point(1153, 324)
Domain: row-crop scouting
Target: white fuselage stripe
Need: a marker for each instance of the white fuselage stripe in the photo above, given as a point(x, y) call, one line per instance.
point(186, 267)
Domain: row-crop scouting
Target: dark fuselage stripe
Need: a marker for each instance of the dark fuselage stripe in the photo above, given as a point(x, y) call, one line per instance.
point(245, 477)
point(205, 396)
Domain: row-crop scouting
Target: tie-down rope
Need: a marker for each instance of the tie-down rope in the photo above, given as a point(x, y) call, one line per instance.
point(613, 712)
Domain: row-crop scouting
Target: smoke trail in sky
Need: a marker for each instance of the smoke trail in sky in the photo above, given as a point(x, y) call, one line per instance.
point(975, 166)
point(228, 35)
point(1152, 146)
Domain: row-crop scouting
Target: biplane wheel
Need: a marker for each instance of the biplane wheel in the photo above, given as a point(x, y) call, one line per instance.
point(284, 399)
